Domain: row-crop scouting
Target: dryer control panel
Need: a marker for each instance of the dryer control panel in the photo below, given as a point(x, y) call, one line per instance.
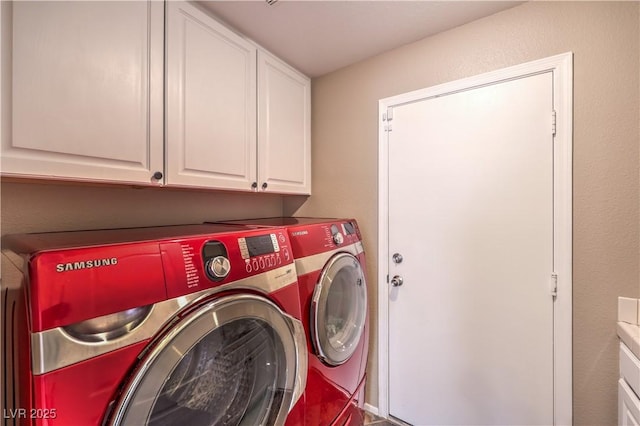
point(310, 239)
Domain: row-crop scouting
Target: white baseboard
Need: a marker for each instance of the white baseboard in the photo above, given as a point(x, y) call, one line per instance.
point(371, 409)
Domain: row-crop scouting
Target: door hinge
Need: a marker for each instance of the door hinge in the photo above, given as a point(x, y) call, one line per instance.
point(387, 278)
point(388, 117)
point(553, 123)
point(553, 284)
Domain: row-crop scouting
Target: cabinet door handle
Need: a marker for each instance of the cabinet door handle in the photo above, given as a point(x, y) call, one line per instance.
point(157, 175)
point(264, 185)
point(254, 185)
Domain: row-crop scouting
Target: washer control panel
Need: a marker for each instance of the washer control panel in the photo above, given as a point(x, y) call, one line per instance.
point(263, 252)
point(206, 260)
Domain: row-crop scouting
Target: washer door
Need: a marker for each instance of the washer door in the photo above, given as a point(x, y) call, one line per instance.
point(339, 309)
point(238, 360)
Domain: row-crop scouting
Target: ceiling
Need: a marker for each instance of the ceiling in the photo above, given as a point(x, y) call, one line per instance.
point(318, 37)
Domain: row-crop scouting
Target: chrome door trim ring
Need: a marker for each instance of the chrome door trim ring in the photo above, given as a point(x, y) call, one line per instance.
point(295, 349)
point(329, 355)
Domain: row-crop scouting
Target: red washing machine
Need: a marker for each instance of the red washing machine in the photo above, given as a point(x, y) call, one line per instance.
point(189, 325)
point(330, 264)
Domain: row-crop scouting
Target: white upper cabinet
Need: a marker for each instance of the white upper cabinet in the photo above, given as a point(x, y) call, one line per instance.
point(84, 90)
point(212, 139)
point(211, 102)
point(148, 92)
point(284, 127)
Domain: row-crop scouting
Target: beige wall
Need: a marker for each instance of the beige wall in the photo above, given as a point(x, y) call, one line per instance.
point(29, 207)
point(604, 38)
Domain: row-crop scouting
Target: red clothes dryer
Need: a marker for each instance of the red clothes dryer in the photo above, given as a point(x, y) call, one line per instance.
point(191, 325)
point(330, 265)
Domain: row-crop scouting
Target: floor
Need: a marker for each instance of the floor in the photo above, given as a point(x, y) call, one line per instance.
point(372, 419)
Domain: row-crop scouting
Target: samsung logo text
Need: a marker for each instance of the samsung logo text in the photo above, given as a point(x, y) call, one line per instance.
point(86, 264)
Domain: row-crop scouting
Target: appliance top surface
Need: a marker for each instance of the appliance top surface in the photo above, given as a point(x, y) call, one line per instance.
point(285, 221)
point(33, 243)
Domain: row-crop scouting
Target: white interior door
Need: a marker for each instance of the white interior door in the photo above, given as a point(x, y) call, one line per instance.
point(471, 212)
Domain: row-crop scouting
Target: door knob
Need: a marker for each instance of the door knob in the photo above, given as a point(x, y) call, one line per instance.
point(396, 281)
point(397, 258)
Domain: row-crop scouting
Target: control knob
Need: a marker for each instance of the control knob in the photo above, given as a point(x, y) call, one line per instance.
point(338, 238)
point(218, 267)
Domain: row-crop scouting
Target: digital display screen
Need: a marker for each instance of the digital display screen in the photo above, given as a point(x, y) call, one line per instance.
point(349, 229)
point(261, 244)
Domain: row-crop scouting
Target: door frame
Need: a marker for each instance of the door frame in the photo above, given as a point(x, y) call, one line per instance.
point(562, 68)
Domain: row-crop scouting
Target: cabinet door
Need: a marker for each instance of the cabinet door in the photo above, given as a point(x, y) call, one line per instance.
point(628, 405)
point(85, 90)
point(284, 129)
point(211, 102)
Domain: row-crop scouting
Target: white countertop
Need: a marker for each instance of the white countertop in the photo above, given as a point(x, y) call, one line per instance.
point(630, 336)
point(628, 323)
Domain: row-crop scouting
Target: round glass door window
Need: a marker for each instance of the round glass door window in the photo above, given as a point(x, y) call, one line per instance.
point(219, 366)
point(339, 309)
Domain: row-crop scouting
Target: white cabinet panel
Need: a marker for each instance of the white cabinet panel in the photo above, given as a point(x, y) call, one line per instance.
point(629, 368)
point(628, 405)
point(211, 102)
point(86, 90)
point(284, 116)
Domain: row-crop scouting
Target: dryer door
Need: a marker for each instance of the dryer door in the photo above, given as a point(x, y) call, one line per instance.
point(339, 309)
point(238, 360)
